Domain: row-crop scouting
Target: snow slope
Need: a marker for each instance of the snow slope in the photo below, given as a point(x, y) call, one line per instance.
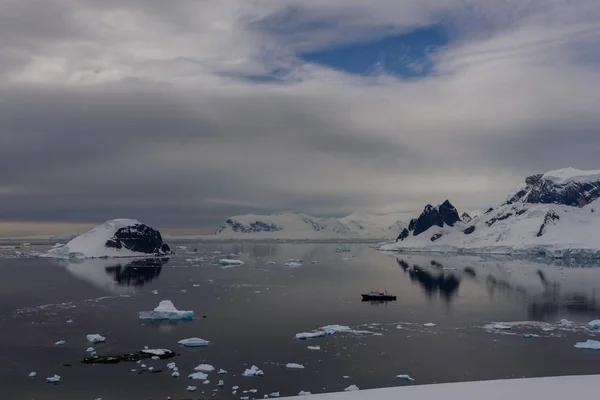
point(92, 244)
point(289, 225)
point(518, 228)
point(554, 388)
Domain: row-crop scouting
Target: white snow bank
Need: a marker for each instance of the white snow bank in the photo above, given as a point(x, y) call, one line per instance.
point(166, 310)
point(92, 243)
point(193, 342)
point(198, 376)
point(554, 388)
point(204, 368)
point(95, 338)
point(253, 371)
point(294, 366)
point(588, 344)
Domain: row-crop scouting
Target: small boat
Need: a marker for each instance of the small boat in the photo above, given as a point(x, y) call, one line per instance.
point(381, 296)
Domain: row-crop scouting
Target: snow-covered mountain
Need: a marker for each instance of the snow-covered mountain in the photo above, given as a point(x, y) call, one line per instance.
point(290, 225)
point(553, 214)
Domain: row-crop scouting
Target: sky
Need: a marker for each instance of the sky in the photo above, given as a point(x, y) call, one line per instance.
point(182, 113)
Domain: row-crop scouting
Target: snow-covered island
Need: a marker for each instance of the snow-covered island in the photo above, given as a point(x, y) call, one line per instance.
point(556, 214)
point(114, 238)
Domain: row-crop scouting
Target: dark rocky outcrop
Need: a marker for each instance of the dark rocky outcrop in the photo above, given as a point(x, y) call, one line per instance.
point(538, 190)
point(549, 218)
point(465, 217)
point(469, 230)
point(500, 217)
point(435, 236)
point(139, 238)
point(256, 226)
point(443, 214)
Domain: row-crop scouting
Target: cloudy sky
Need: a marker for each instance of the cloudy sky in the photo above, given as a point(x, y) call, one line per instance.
point(181, 113)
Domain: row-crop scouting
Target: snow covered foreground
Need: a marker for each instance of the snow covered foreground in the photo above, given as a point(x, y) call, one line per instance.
point(555, 388)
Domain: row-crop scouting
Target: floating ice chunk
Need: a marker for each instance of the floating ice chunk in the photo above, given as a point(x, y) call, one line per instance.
point(351, 388)
point(270, 263)
point(294, 366)
point(32, 374)
point(198, 375)
point(253, 390)
point(95, 338)
point(150, 368)
point(60, 343)
point(155, 292)
point(175, 374)
point(317, 348)
point(90, 350)
point(53, 379)
point(204, 368)
point(429, 324)
point(227, 262)
point(293, 264)
point(157, 352)
point(595, 324)
point(191, 388)
point(274, 394)
point(331, 329)
point(235, 388)
point(565, 322)
point(501, 327)
point(143, 365)
point(193, 342)
point(245, 398)
point(133, 370)
point(346, 377)
point(303, 393)
point(171, 365)
point(310, 335)
point(588, 344)
point(166, 311)
point(547, 329)
point(221, 372)
point(221, 383)
point(405, 377)
point(206, 382)
point(253, 371)
point(528, 335)
point(70, 321)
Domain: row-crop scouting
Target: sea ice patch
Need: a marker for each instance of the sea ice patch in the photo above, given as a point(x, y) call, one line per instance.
point(221, 372)
point(191, 388)
point(429, 324)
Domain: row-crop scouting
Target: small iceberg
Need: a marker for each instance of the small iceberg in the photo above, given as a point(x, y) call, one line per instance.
point(253, 371)
point(331, 329)
point(221, 372)
point(275, 394)
point(501, 327)
point(221, 383)
point(293, 264)
point(405, 377)
point(227, 262)
point(270, 263)
point(95, 338)
point(206, 382)
point(310, 335)
point(171, 365)
point(60, 343)
point(191, 388)
point(351, 388)
point(565, 322)
point(528, 335)
point(316, 348)
point(89, 350)
point(595, 324)
point(204, 368)
point(429, 324)
point(304, 393)
point(32, 374)
point(53, 379)
point(193, 342)
point(166, 311)
point(294, 366)
point(201, 376)
point(175, 374)
point(588, 344)
point(158, 353)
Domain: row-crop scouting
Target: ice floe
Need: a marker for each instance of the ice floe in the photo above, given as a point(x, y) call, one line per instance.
point(204, 368)
point(304, 393)
point(175, 374)
point(405, 377)
point(528, 335)
point(274, 394)
point(221, 372)
point(317, 348)
point(90, 350)
point(60, 343)
point(198, 375)
point(588, 344)
point(32, 374)
point(166, 311)
point(429, 324)
point(193, 342)
point(293, 264)
point(310, 335)
point(157, 352)
point(206, 382)
point(191, 388)
point(294, 366)
point(95, 338)
point(595, 324)
point(171, 365)
point(221, 383)
point(351, 388)
point(53, 379)
point(226, 262)
point(253, 371)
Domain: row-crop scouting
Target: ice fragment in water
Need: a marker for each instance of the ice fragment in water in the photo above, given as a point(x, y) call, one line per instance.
point(501, 327)
point(303, 393)
point(293, 264)
point(274, 394)
point(193, 342)
point(351, 388)
point(253, 371)
point(222, 372)
point(32, 374)
point(588, 344)
point(204, 368)
point(346, 377)
point(528, 335)
point(95, 338)
point(225, 262)
point(60, 343)
point(245, 398)
point(155, 292)
point(191, 388)
point(429, 324)
point(198, 375)
point(89, 350)
point(166, 311)
point(565, 322)
point(405, 377)
point(331, 329)
point(313, 347)
point(595, 324)
point(221, 383)
point(175, 374)
point(155, 357)
point(294, 366)
point(206, 382)
point(53, 379)
point(310, 335)
point(171, 365)
point(253, 390)
point(150, 368)
point(270, 263)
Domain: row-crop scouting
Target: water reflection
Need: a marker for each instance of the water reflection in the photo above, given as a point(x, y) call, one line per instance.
point(116, 275)
point(438, 282)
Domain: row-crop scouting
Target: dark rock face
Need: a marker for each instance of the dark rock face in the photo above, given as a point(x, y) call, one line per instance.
point(469, 230)
point(445, 213)
point(542, 191)
point(403, 235)
point(465, 217)
point(498, 218)
point(256, 226)
point(550, 217)
point(435, 236)
point(139, 238)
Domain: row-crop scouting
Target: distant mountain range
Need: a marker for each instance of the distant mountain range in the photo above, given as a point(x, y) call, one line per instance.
point(554, 214)
point(290, 225)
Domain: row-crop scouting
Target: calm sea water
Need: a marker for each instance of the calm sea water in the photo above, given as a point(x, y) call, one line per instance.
point(251, 314)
